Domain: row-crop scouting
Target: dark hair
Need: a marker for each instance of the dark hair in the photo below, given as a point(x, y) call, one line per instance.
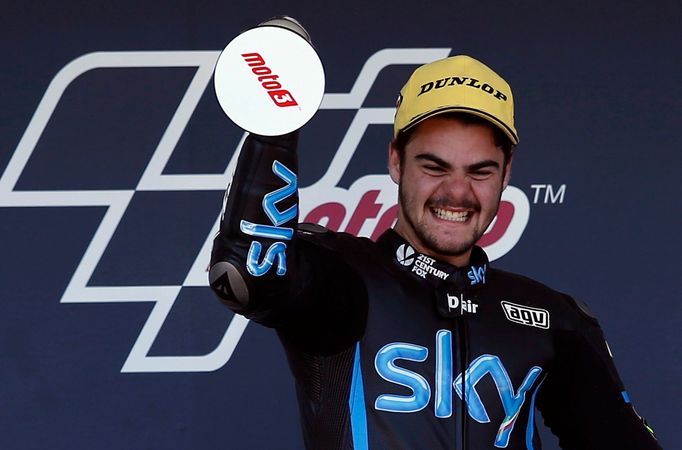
point(501, 140)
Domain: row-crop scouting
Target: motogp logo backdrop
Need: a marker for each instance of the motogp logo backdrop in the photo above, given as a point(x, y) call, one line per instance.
point(366, 208)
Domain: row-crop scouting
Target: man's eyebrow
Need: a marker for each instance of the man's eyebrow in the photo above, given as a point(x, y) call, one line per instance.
point(446, 165)
point(482, 165)
point(434, 159)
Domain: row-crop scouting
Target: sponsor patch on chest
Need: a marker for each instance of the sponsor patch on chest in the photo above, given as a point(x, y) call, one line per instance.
point(421, 264)
point(526, 315)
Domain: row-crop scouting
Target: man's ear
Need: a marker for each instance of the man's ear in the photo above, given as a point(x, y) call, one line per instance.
point(507, 172)
point(393, 163)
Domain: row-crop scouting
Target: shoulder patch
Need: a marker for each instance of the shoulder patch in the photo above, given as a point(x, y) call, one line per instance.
point(583, 308)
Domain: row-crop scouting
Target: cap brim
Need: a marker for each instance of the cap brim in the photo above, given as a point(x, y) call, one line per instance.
point(511, 134)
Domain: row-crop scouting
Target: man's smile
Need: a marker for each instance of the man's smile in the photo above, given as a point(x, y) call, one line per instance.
point(451, 216)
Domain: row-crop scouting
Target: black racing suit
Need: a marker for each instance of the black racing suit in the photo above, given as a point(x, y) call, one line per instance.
point(392, 349)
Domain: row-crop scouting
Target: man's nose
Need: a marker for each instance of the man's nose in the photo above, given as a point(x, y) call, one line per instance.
point(457, 186)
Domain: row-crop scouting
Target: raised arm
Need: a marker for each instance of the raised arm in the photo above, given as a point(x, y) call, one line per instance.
point(267, 268)
point(250, 264)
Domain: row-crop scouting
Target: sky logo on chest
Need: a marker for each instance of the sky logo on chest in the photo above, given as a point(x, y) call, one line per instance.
point(421, 265)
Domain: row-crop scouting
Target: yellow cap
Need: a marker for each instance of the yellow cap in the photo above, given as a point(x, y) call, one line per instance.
point(458, 83)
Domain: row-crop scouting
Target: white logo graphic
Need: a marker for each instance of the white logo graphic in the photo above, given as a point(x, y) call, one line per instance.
point(424, 266)
point(276, 73)
point(465, 306)
point(404, 255)
point(526, 315)
point(377, 190)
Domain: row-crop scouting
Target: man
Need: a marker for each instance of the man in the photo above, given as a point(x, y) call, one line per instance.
point(414, 341)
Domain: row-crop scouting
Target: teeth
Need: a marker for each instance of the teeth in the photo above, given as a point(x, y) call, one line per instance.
point(452, 216)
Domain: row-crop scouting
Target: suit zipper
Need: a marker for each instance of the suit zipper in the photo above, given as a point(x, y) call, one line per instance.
point(462, 335)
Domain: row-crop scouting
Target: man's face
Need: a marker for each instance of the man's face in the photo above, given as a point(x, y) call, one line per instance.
point(450, 183)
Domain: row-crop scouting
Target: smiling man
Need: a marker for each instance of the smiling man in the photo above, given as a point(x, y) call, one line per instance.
point(414, 341)
point(450, 174)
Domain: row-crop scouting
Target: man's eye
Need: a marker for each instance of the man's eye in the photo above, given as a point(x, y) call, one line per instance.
point(433, 168)
point(481, 173)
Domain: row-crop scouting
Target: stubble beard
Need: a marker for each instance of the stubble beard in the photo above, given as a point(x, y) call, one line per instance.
point(439, 245)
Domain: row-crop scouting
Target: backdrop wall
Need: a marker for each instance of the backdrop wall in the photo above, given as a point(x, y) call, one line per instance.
point(114, 156)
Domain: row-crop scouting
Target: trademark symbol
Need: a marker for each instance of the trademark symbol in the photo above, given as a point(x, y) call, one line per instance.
point(552, 195)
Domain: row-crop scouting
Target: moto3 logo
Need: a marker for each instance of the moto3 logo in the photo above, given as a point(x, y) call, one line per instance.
point(526, 315)
point(268, 80)
point(367, 208)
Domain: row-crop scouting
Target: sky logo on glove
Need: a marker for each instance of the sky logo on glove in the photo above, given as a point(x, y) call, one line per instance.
point(278, 249)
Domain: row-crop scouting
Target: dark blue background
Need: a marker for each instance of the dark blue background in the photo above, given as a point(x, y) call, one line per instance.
point(598, 109)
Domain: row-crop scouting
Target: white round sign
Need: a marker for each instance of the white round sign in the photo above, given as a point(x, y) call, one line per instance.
point(269, 81)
